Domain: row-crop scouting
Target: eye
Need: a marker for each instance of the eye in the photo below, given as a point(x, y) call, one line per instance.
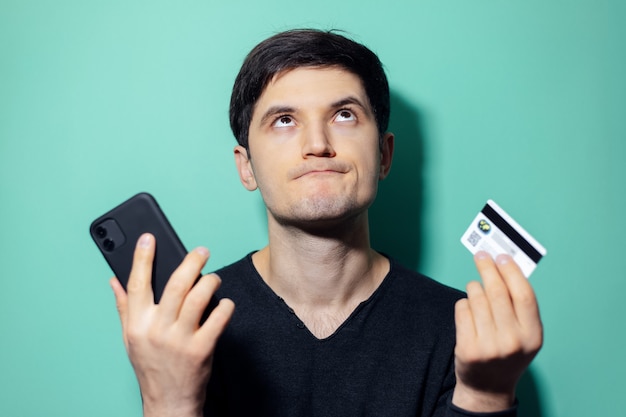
point(283, 121)
point(345, 115)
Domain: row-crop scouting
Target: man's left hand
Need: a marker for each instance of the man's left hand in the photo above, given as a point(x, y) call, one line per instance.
point(498, 333)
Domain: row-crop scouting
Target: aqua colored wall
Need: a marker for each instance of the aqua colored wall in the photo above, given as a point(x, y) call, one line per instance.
point(519, 101)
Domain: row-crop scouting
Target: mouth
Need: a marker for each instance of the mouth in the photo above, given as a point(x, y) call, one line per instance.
point(304, 170)
point(318, 172)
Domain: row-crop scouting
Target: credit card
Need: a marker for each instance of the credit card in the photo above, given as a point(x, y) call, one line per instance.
point(495, 232)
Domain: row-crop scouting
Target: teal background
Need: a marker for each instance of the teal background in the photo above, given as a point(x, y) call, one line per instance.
point(519, 101)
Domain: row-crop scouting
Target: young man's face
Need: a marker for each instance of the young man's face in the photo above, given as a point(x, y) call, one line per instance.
point(314, 147)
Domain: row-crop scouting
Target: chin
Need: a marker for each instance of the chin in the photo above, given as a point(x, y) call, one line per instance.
point(322, 213)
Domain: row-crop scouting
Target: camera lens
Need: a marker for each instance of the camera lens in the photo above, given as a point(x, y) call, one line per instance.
point(101, 232)
point(108, 244)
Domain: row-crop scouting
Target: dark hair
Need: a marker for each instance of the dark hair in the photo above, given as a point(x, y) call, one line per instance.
point(305, 48)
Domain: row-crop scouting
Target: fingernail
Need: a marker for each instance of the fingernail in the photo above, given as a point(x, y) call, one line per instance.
point(503, 259)
point(145, 240)
point(482, 255)
point(202, 251)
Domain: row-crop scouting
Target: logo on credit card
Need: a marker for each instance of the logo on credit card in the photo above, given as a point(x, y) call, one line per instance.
point(484, 226)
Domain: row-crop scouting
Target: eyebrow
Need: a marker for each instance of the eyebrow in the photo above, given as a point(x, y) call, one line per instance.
point(351, 100)
point(274, 111)
point(282, 109)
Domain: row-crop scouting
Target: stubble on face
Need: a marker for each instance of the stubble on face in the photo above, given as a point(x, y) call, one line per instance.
point(323, 207)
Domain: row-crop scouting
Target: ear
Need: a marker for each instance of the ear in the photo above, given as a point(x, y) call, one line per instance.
point(244, 167)
point(386, 155)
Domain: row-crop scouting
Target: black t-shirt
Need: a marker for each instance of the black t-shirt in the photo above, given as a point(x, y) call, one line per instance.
point(393, 356)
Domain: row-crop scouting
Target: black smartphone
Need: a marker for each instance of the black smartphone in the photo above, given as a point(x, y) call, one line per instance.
point(117, 231)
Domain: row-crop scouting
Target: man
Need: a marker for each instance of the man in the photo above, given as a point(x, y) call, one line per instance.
point(323, 325)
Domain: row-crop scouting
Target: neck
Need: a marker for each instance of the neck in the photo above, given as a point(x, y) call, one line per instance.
point(323, 275)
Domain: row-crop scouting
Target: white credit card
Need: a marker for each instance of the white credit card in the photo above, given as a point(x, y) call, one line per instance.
point(495, 232)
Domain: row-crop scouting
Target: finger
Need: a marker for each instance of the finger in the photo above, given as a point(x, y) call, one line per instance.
point(180, 283)
point(139, 287)
point(217, 321)
point(497, 293)
point(198, 299)
point(121, 302)
point(464, 322)
point(524, 301)
point(481, 311)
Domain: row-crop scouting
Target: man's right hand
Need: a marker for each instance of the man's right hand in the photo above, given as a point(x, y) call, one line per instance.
point(169, 349)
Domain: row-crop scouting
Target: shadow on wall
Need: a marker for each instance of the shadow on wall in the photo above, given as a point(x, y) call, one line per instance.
point(529, 396)
point(395, 216)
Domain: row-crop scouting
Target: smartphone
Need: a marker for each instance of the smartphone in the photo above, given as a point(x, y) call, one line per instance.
point(117, 231)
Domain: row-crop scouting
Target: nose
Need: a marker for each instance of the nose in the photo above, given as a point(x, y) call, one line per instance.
point(316, 142)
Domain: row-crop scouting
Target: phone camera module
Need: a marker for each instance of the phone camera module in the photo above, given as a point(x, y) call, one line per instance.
point(108, 235)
